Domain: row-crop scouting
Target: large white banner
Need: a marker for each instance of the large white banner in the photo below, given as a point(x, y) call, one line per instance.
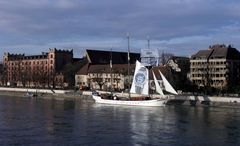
point(150, 57)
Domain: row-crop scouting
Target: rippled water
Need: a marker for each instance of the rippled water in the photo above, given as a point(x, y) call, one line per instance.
point(48, 122)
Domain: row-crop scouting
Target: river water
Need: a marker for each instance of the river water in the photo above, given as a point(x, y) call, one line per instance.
point(50, 122)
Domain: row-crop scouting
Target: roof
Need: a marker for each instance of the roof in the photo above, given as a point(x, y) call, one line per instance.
point(203, 54)
point(103, 57)
point(233, 53)
point(179, 60)
point(218, 51)
point(105, 68)
point(83, 70)
point(165, 70)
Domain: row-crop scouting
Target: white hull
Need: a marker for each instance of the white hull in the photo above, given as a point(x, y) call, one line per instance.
point(152, 102)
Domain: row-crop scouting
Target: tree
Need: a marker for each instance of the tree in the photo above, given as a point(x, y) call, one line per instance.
point(165, 57)
point(69, 70)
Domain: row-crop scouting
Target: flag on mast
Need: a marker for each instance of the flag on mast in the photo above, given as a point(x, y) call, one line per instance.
point(128, 36)
point(110, 63)
point(111, 59)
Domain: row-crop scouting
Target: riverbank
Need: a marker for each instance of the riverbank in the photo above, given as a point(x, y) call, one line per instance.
point(48, 94)
point(86, 97)
point(205, 101)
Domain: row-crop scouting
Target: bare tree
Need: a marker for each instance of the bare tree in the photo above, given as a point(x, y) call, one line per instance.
point(99, 80)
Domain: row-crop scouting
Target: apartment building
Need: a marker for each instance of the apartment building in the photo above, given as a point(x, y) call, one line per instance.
point(218, 67)
point(36, 70)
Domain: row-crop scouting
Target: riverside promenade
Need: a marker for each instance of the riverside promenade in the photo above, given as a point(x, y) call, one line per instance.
point(48, 93)
point(86, 96)
point(204, 100)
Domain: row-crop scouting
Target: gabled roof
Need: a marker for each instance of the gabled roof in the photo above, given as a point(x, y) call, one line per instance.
point(103, 57)
point(233, 54)
point(165, 69)
point(203, 54)
point(83, 70)
point(218, 51)
point(105, 68)
point(179, 58)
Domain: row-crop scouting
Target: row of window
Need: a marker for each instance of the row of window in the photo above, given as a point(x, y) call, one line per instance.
point(27, 73)
point(104, 75)
point(32, 68)
point(210, 75)
point(210, 70)
point(31, 62)
point(212, 82)
point(210, 63)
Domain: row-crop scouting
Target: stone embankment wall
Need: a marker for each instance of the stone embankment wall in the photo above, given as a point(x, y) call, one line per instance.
point(33, 90)
point(206, 100)
point(47, 93)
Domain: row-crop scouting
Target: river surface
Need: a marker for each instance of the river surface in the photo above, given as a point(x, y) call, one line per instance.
point(46, 122)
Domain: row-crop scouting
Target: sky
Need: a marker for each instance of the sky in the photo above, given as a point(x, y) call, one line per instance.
point(181, 27)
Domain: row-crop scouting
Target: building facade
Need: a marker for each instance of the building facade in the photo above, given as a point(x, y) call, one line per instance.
point(97, 73)
point(216, 67)
point(102, 77)
point(36, 70)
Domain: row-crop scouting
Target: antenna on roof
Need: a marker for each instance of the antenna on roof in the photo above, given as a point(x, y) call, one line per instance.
point(148, 39)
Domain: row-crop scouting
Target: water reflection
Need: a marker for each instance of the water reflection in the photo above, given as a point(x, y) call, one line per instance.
point(61, 122)
point(143, 124)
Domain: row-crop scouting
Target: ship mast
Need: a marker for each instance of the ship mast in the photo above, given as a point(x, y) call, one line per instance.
point(149, 68)
point(128, 37)
point(111, 72)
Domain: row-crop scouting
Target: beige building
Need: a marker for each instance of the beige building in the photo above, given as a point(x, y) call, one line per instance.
point(101, 77)
point(97, 74)
point(216, 67)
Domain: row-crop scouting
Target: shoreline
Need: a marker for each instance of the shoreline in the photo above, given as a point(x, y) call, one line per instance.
point(188, 100)
point(52, 96)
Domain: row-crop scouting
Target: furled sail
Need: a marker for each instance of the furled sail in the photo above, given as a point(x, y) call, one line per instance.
point(158, 88)
point(167, 85)
point(140, 80)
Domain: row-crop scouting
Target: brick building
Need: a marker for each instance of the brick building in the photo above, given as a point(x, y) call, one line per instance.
point(218, 66)
point(36, 70)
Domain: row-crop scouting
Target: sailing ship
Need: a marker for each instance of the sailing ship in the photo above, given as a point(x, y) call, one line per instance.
point(140, 86)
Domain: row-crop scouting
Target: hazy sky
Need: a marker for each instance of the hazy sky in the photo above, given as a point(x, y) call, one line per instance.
point(176, 26)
